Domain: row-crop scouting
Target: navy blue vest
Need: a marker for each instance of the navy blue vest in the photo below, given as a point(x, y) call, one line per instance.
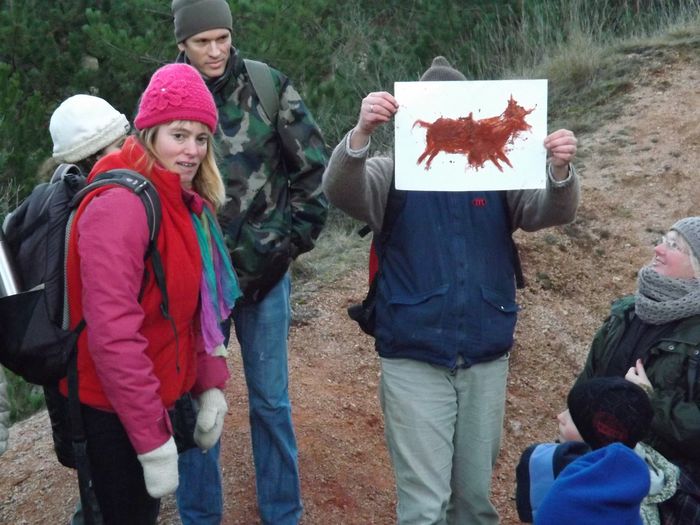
point(447, 285)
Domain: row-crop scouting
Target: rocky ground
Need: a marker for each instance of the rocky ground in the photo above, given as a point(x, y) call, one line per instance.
point(639, 175)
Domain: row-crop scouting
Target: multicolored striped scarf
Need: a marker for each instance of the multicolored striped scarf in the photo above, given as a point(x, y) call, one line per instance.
point(219, 289)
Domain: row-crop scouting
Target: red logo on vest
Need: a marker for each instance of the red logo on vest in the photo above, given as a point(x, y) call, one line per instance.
point(479, 202)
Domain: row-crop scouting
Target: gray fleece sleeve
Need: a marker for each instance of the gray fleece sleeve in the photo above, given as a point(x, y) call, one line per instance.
point(357, 185)
point(554, 205)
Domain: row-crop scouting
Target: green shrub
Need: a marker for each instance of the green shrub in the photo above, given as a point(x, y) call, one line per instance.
point(335, 52)
point(25, 399)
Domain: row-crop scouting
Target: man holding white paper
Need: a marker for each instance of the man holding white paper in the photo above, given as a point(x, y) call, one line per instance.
point(445, 311)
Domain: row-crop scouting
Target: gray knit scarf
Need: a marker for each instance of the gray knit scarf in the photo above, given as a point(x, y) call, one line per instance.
point(661, 299)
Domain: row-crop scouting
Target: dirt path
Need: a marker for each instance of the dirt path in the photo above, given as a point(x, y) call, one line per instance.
point(639, 175)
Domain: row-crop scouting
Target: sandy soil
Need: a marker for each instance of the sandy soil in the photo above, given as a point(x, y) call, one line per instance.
point(639, 176)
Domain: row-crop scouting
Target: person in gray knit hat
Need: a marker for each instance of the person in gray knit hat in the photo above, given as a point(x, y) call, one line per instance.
point(689, 228)
point(195, 16)
point(210, 21)
point(652, 338)
point(273, 156)
point(441, 70)
point(445, 313)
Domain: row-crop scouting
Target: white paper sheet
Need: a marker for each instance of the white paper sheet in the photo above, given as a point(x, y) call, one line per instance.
point(459, 136)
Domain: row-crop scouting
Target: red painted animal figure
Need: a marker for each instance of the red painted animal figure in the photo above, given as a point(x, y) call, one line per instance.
point(480, 140)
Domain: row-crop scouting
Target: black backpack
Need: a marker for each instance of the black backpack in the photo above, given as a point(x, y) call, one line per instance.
point(34, 343)
point(34, 340)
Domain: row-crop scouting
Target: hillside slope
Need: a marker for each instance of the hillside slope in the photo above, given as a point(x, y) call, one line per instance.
point(639, 175)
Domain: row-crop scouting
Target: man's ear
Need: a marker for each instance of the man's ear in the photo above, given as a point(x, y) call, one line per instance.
point(181, 46)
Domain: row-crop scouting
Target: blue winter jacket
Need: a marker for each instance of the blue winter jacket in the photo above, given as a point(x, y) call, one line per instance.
point(447, 285)
point(447, 288)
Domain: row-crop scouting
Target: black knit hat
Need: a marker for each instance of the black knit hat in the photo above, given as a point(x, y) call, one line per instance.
point(610, 409)
point(196, 16)
point(441, 69)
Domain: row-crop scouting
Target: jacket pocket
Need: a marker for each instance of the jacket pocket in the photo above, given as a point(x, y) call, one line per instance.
point(416, 320)
point(499, 315)
point(667, 366)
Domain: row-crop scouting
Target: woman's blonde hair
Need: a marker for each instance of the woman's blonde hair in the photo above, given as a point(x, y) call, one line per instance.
point(207, 181)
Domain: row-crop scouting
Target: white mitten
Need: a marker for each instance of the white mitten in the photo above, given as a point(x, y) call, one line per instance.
point(210, 419)
point(160, 469)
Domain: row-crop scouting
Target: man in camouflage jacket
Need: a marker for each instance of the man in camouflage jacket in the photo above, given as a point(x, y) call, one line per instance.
point(275, 210)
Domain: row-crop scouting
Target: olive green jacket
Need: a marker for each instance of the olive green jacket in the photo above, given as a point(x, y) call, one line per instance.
point(675, 429)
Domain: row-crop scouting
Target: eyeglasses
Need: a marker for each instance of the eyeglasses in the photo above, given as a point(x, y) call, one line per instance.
point(671, 243)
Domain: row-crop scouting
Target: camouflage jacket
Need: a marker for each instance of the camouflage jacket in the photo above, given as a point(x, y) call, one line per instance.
point(275, 208)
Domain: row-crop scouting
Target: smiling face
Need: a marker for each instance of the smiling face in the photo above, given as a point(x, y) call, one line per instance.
point(208, 51)
point(180, 146)
point(672, 257)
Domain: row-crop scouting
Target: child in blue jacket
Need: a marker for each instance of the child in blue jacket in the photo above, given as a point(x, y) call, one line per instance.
point(601, 411)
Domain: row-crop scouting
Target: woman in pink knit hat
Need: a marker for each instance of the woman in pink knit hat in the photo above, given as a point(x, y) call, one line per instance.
point(134, 360)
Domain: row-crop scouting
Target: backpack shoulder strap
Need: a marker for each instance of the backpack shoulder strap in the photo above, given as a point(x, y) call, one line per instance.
point(139, 185)
point(88, 498)
point(145, 190)
point(65, 171)
point(517, 264)
point(395, 202)
point(264, 85)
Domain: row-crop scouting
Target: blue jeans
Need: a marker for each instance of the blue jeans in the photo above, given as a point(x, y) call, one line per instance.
point(261, 329)
point(199, 495)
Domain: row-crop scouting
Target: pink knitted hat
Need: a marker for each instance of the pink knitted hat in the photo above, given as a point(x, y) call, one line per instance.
point(176, 92)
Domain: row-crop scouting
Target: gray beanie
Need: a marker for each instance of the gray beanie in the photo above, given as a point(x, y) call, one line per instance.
point(689, 228)
point(84, 125)
point(195, 16)
point(441, 69)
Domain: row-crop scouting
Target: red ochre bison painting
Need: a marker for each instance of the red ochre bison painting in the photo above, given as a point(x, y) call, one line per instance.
point(480, 140)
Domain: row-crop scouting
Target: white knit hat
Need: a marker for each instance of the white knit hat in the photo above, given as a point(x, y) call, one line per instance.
point(83, 125)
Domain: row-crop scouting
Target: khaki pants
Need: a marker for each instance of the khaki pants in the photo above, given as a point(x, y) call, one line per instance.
point(443, 430)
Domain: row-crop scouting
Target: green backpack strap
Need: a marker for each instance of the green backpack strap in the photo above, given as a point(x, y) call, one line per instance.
point(264, 86)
